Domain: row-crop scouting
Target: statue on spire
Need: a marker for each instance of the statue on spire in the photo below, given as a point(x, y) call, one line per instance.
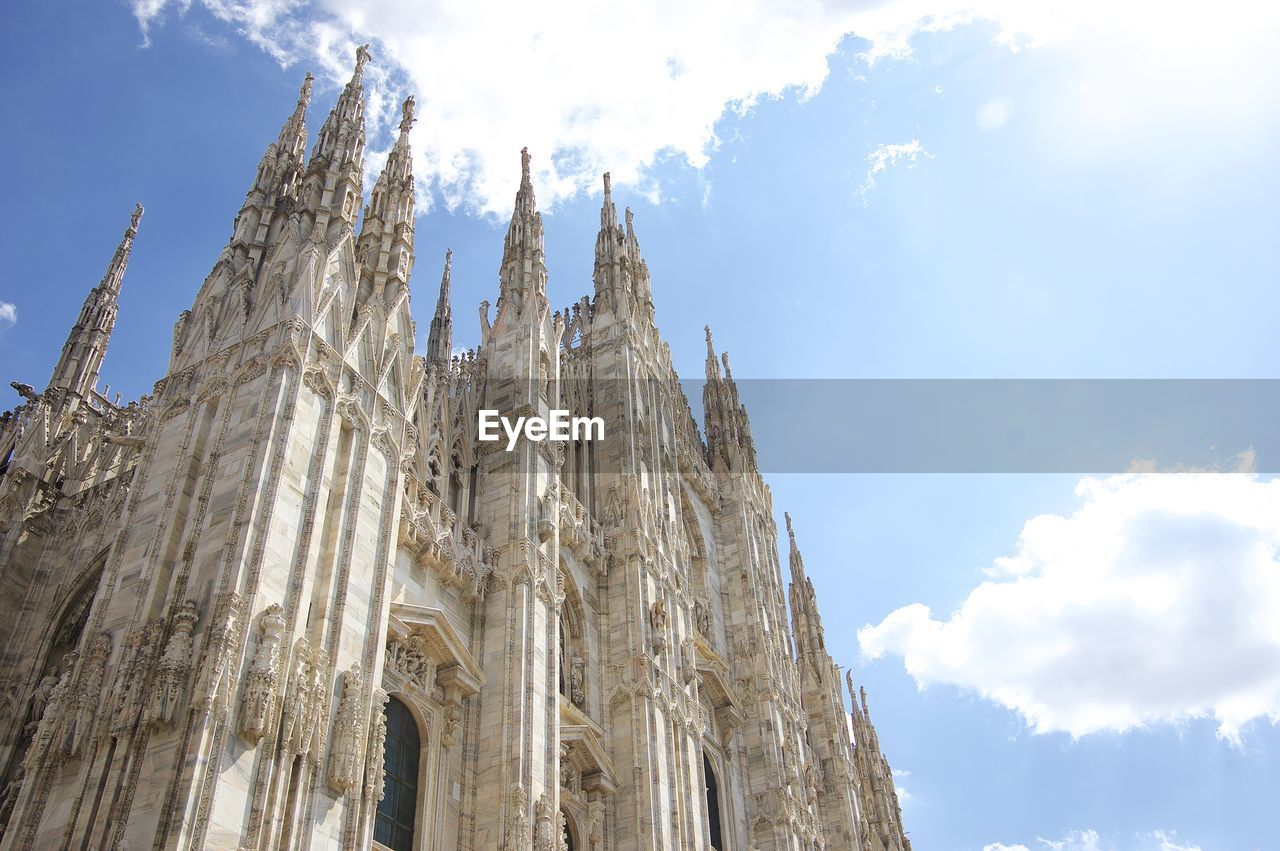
point(406, 110)
point(134, 220)
point(362, 58)
point(304, 93)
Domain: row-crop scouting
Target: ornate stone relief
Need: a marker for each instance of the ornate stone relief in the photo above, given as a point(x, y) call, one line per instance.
point(171, 675)
point(258, 704)
point(346, 757)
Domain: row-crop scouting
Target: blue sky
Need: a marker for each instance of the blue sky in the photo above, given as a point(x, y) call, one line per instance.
point(1057, 199)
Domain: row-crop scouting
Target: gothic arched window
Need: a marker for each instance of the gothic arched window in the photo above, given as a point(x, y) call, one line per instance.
point(397, 811)
point(713, 803)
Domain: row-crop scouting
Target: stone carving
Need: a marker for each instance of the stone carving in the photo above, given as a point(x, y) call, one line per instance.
point(9, 797)
point(577, 692)
point(175, 665)
point(40, 699)
point(345, 759)
point(595, 823)
point(452, 718)
point(517, 837)
point(86, 696)
point(305, 704)
point(221, 646)
point(544, 834)
point(408, 656)
point(658, 623)
point(375, 775)
point(257, 707)
point(702, 619)
point(26, 391)
point(55, 707)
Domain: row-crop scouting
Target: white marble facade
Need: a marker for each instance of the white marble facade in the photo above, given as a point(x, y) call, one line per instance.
point(288, 600)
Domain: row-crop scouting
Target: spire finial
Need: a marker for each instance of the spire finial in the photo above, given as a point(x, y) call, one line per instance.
point(524, 165)
point(711, 351)
point(791, 532)
point(631, 217)
point(608, 185)
point(132, 231)
point(447, 277)
point(363, 56)
point(304, 93)
point(406, 110)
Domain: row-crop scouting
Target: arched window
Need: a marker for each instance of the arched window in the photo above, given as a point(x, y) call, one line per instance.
point(713, 803)
point(398, 808)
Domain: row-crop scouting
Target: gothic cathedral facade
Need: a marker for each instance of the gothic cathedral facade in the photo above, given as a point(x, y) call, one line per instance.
point(289, 600)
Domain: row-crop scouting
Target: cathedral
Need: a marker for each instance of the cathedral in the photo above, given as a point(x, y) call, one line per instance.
point(289, 600)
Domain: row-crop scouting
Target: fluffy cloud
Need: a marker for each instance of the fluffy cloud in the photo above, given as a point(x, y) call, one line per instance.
point(886, 156)
point(1154, 602)
point(590, 86)
point(1089, 840)
point(8, 313)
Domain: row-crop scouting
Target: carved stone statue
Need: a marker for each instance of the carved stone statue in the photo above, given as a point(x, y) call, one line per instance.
point(26, 391)
point(595, 823)
point(258, 705)
point(348, 731)
point(40, 699)
point(517, 837)
point(702, 619)
point(577, 692)
point(544, 838)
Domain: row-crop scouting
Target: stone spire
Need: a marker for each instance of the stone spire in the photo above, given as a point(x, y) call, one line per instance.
point(293, 135)
point(76, 373)
point(728, 430)
point(524, 273)
point(332, 186)
point(621, 275)
point(806, 623)
point(878, 806)
point(274, 191)
point(386, 234)
point(440, 338)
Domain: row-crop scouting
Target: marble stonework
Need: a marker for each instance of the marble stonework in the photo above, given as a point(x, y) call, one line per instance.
point(209, 596)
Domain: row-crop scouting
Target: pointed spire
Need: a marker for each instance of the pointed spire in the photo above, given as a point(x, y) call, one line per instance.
point(526, 204)
point(608, 213)
point(796, 561)
point(523, 274)
point(293, 135)
point(440, 338)
point(386, 235)
point(77, 369)
point(713, 364)
point(332, 187)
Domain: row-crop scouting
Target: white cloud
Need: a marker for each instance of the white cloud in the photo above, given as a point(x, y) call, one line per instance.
point(904, 796)
point(886, 156)
point(1076, 840)
point(1168, 841)
point(1154, 602)
point(1090, 840)
point(590, 85)
point(8, 313)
